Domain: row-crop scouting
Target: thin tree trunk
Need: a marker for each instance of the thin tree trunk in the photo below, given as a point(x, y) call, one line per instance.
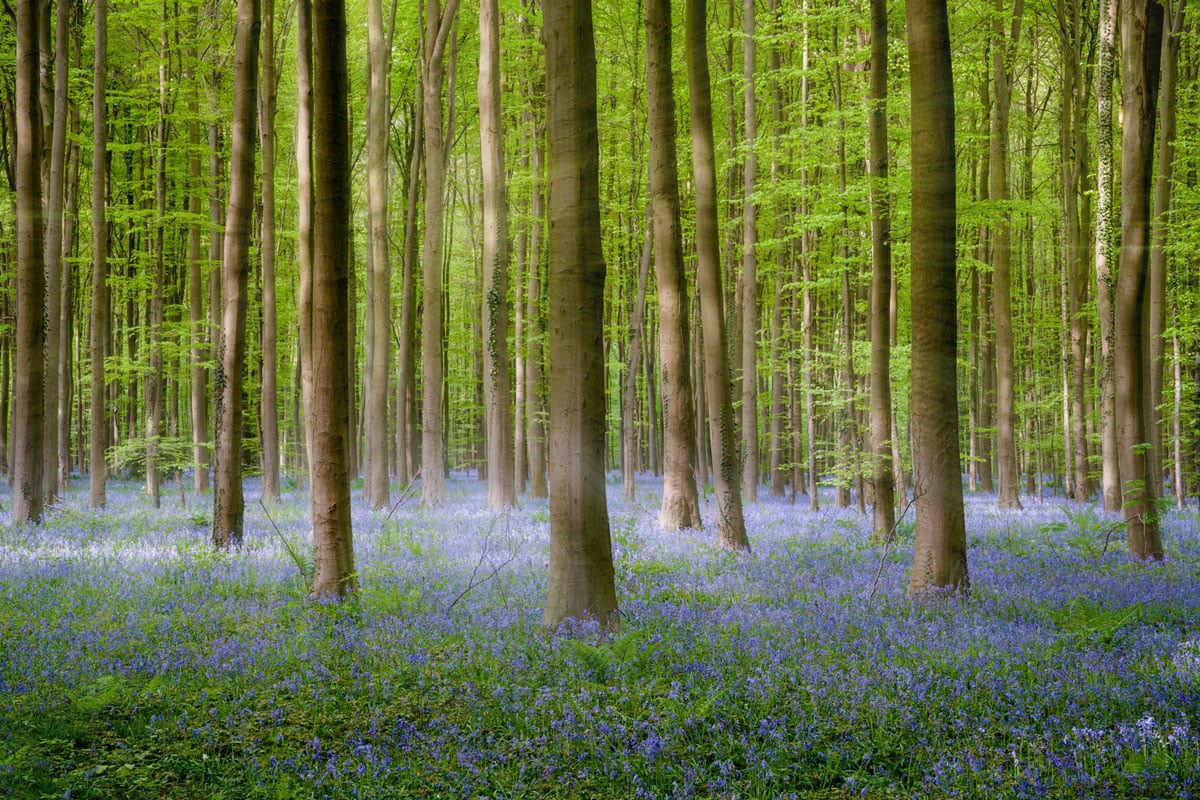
point(680, 502)
point(99, 321)
point(883, 514)
point(408, 456)
point(535, 436)
point(731, 527)
point(940, 549)
point(1141, 42)
point(304, 214)
point(333, 551)
point(228, 502)
point(269, 401)
point(581, 567)
point(497, 379)
point(1105, 279)
point(154, 380)
point(629, 379)
point(749, 294)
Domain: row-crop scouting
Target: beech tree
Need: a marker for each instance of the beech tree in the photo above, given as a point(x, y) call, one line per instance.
point(379, 258)
point(940, 550)
point(98, 425)
point(581, 582)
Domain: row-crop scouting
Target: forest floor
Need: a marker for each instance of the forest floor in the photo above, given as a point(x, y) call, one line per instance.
point(136, 662)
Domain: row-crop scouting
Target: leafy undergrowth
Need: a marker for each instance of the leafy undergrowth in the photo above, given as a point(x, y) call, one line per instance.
point(135, 662)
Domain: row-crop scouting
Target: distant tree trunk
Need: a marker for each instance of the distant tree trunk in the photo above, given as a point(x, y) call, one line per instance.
point(433, 330)
point(304, 213)
point(28, 408)
point(196, 319)
point(535, 435)
point(54, 252)
point(680, 502)
point(228, 503)
point(637, 321)
point(99, 322)
point(269, 401)
point(749, 262)
point(497, 380)
point(1003, 52)
point(940, 550)
point(407, 455)
point(379, 283)
point(883, 514)
point(1141, 42)
point(1165, 164)
point(731, 526)
point(779, 471)
point(581, 567)
point(333, 550)
point(154, 380)
point(69, 358)
point(1105, 279)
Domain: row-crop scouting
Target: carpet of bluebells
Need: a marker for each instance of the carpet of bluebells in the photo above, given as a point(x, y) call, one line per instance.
point(137, 662)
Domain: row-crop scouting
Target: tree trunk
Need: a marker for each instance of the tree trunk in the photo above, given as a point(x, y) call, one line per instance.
point(1003, 52)
point(333, 551)
point(99, 322)
point(1141, 42)
point(535, 436)
point(629, 380)
point(407, 455)
point(379, 281)
point(680, 502)
point(940, 549)
point(228, 502)
point(731, 527)
point(497, 380)
point(54, 252)
point(433, 326)
point(1112, 476)
point(581, 567)
point(196, 319)
point(883, 514)
point(304, 214)
point(269, 402)
point(28, 408)
point(154, 380)
point(749, 293)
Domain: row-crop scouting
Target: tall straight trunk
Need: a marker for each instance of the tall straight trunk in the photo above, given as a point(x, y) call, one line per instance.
point(535, 436)
point(269, 401)
point(154, 380)
point(779, 472)
point(99, 321)
point(1165, 165)
point(883, 513)
point(54, 251)
point(68, 381)
point(304, 213)
point(379, 281)
point(809, 316)
point(940, 549)
point(196, 318)
point(1003, 52)
point(749, 294)
point(433, 325)
point(407, 455)
point(228, 501)
point(731, 526)
point(521, 258)
point(1141, 43)
point(680, 502)
point(497, 379)
point(333, 551)
point(28, 408)
point(847, 460)
point(1111, 462)
point(637, 321)
point(581, 567)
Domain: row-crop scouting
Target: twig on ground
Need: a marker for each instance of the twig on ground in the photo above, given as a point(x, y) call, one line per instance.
point(406, 493)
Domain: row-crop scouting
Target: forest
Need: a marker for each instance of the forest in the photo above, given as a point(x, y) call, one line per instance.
point(589, 398)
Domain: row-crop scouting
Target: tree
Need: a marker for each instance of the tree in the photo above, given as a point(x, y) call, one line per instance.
point(940, 549)
point(329, 412)
point(680, 504)
point(731, 527)
point(28, 409)
point(269, 401)
point(379, 281)
point(581, 582)
point(99, 334)
point(1003, 53)
point(1105, 280)
point(884, 509)
point(749, 261)
point(497, 380)
point(433, 328)
point(228, 502)
point(1141, 43)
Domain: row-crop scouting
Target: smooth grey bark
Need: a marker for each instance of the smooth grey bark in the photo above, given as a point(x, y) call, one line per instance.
point(581, 582)
point(375, 484)
point(269, 400)
point(749, 294)
point(940, 549)
point(1106, 280)
point(99, 320)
